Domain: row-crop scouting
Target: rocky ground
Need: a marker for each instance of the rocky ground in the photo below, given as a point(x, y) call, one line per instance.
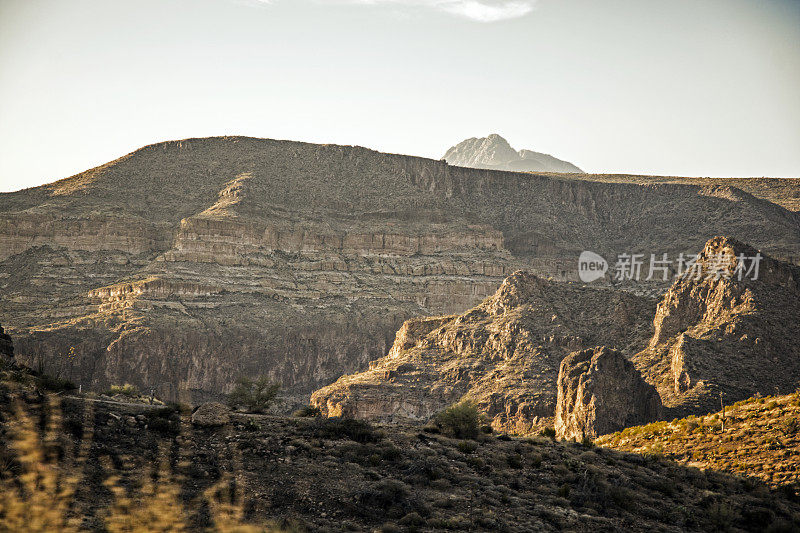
point(321, 474)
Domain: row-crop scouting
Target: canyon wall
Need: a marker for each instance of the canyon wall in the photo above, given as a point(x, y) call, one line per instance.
point(504, 354)
point(185, 264)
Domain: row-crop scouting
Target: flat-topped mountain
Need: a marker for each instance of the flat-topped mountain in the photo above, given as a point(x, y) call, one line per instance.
point(186, 264)
point(494, 152)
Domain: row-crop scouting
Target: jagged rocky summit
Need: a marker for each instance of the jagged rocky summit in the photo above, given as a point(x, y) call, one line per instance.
point(720, 331)
point(494, 152)
point(705, 336)
point(503, 354)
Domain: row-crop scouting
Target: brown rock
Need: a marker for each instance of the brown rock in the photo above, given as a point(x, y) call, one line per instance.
point(722, 334)
point(187, 264)
point(599, 392)
point(211, 414)
point(503, 354)
point(6, 346)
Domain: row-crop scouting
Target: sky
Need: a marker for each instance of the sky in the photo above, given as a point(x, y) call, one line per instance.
point(679, 87)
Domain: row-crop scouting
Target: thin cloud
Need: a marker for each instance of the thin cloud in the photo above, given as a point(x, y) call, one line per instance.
point(476, 10)
point(483, 11)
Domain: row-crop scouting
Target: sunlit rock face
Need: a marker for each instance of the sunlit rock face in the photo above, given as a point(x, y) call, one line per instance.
point(187, 264)
point(504, 355)
point(715, 333)
point(599, 392)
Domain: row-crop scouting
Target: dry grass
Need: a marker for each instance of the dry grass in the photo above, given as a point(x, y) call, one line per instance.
point(38, 493)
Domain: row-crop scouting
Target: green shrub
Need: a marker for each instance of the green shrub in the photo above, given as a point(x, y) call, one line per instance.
point(253, 395)
point(124, 390)
point(55, 384)
point(536, 460)
point(514, 460)
point(467, 446)
point(308, 411)
point(350, 428)
point(386, 495)
point(461, 420)
point(412, 519)
point(549, 432)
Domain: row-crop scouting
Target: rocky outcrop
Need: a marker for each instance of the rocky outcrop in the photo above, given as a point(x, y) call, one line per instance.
point(599, 392)
point(186, 264)
point(726, 327)
point(6, 346)
point(494, 152)
point(504, 354)
point(211, 414)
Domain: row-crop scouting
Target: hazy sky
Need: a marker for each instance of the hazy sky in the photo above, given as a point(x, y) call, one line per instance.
point(679, 87)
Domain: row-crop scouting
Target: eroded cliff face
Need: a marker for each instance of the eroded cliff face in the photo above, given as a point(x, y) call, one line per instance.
point(716, 333)
point(600, 392)
point(711, 333)
point(503, 354)
point(185, 264)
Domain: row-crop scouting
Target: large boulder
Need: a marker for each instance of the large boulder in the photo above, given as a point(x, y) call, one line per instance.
point(211, 414)
point(599, 392)
point(6, 347)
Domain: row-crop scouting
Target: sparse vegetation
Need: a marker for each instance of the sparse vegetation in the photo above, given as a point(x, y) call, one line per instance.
point(550, 433)
point(123, 390)
point(333, 474)
point(253, 395)
point(38, 495)
point(462, 420)
point(760, 439)
point(308, 411)
point(349, 428)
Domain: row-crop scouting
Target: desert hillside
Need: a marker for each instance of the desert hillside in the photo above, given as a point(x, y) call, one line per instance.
point(185, 264)
point(503, 354)
point(757, 437)
point(109, 465)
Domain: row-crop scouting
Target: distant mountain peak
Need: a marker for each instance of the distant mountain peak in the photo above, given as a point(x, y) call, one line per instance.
point(495, 152)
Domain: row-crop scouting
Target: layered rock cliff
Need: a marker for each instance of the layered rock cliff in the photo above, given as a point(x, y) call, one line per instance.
point(185, 264)
point(600, 392)
point(503, 354)
point(728, 326)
